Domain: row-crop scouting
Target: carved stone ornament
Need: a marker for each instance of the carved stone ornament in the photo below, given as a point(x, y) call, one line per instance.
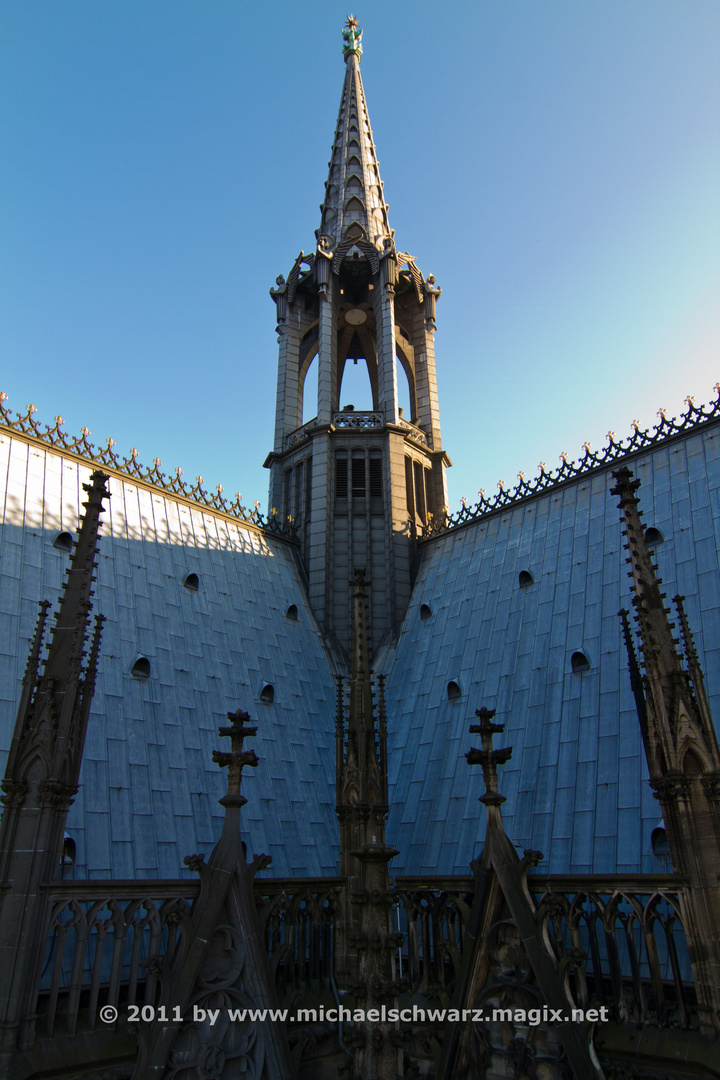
point(669, 788)
point(711, 787)
point(507, 955)
point(14, 792)
point(226, 1050)
point(56, 795)
point(534, 1052)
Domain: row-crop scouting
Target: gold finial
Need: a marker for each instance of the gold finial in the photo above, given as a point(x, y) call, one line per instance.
point(352, 38)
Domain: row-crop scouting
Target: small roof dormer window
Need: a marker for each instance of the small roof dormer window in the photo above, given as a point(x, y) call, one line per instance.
point(192, 583)
point(454, 693)
point(141, 669)
point(63, 542)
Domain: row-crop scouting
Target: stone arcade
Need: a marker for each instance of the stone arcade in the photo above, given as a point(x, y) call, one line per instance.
point(550, 919)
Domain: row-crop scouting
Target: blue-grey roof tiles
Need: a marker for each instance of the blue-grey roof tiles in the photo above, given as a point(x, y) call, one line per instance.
point(581, 756)
point(576, 785)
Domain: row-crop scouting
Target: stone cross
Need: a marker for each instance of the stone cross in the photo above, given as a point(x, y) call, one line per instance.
point(487, 757)
point(237, 758)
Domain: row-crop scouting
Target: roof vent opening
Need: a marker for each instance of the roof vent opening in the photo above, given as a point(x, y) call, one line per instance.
point(653, 537)
point(659, 842)
point(141, 669)
point(63, 542)
point(425, 611)
point(192, 583)
point(69, 850)
point(267, 694)
point(579, 662)
point(292, 613)
point(525, 579)
point(454, 692)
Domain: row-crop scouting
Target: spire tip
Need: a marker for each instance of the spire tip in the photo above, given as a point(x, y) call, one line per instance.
point(352, 38)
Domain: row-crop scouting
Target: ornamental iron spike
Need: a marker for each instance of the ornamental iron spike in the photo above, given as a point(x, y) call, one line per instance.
point(592, 460)
point(129, 467)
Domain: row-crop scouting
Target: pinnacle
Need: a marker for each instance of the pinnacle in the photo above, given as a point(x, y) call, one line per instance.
point(353, 191)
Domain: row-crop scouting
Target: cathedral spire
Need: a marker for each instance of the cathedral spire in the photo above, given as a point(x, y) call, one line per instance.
point(354, 191)
point(358, 481)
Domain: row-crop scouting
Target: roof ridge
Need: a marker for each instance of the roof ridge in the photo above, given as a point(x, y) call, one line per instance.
point(54, 436)
point(548, 479)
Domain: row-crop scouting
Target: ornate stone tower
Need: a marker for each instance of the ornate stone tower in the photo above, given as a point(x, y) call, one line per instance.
point(359, 485)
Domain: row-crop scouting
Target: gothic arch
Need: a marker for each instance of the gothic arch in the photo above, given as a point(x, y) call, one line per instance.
point(328, 218)
point(37, 768)
point(309, 400)
point(408, 365)
point(693, 761)
point(308, 351)
point(355, 235)
point(354, 205)
point(368, 343)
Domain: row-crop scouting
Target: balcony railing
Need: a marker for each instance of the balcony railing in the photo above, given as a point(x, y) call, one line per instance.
point(299, 434)
point(628, 930)
point(358, 421)
point(350, 420)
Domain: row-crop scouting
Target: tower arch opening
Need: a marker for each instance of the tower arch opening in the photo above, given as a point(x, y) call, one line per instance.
point(404, 395)
point(356, 386)
point(308, 391)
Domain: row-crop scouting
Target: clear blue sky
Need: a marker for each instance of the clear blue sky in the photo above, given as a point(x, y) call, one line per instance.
point(555, 164)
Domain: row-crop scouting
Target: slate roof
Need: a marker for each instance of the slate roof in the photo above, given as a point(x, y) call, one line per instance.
point(576, 786)
point(149, 789)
